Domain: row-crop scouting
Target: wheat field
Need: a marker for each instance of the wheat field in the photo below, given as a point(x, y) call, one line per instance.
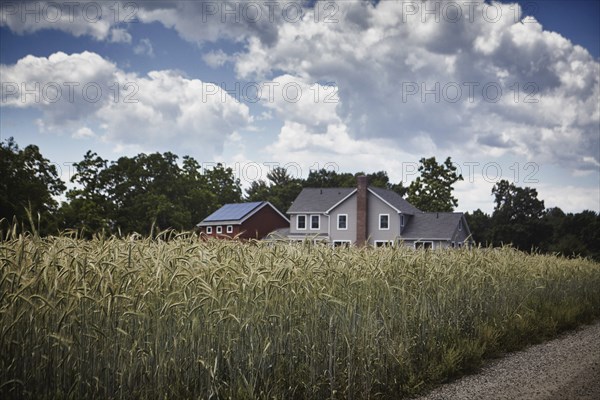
point(173, 317)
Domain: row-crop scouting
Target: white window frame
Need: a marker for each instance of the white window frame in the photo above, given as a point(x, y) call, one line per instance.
point(385, 243)
point(341, 243)
point(424, 241)
point(402, 221)
point(219, 229)
point(229, 228)
point(209, 230)
point(388, 222)
point(318, 222)
point(298, 220)
point(338, 223)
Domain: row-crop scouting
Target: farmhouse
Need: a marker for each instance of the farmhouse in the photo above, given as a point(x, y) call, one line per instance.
point(244, 220)
point(370, 215)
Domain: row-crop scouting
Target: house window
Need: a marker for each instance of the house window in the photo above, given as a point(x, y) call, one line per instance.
point(402, 221)
point(384, 221)
point(460, 244)
point(342, 243)
point(229, 228)
point(209, 230)
point(423, 245)
point(460, 225)
point(384, 243)
point(219, 229)
point(343, 222)
point(301, 222)
point(315, 222)
point(453, 245)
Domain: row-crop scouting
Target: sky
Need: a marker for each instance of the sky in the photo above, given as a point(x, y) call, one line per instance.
point(507, 90)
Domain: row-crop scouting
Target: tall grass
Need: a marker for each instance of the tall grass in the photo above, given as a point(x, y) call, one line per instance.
point(173, 317)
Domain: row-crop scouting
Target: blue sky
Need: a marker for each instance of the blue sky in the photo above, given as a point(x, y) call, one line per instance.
point(509, 91)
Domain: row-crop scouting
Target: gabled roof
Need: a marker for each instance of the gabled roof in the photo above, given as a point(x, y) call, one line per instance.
point(432, 225)
point(236, 213)
point(314, 200)
point(394, 200)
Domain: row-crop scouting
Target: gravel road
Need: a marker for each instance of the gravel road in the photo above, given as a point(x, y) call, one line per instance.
point(566, 368)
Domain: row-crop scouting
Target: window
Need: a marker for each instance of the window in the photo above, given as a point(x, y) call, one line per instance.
point(423, 245)
point(219, 229)
point(460, 225)
point(343, 222)
point(453, 245)
point(460, 244)
point(341, 243)
point(301, 222)
point(384, 221)
point(209, 230)
point(402, 221)
point(229, 228)
point(315, 222)
point(384, 243)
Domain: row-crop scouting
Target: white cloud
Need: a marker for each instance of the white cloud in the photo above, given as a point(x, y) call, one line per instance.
point(118, 35)
point(83, 133)
point(144, 47)
point(399, 77)
point(161, 109)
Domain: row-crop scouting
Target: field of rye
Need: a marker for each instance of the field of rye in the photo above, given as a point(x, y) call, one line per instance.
point(176, 318)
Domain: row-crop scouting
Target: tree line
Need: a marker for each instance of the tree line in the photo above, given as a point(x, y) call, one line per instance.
point(150, 192)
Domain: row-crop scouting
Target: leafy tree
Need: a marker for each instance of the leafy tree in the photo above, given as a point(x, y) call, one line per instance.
point(480, 224)
point(281, 190)
point(432, 191)
point(517, 217)
point(29, 183)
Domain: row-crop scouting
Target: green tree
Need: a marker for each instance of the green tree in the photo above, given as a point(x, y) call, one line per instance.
point(281, 189)
point(432, 190)
point(480, 225)
point(29, 183)
point(517, 217)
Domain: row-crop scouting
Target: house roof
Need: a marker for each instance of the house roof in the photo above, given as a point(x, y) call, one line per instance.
point(318, 200)
point(236, 213)
point(395, 200)
point(323, 200)
point(426, 225)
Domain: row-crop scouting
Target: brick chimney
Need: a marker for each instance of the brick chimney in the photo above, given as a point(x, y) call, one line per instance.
point(361, 210)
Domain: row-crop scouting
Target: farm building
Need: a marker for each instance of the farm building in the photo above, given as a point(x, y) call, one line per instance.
point(244, 220)
point(370, 215)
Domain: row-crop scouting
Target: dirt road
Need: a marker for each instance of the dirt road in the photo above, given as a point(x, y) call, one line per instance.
point(567, 368)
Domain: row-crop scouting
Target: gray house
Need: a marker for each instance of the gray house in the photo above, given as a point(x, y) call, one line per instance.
point(370, 215)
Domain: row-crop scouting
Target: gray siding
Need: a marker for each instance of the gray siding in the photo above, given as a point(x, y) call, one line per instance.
point(376, 207)
point(348, 207)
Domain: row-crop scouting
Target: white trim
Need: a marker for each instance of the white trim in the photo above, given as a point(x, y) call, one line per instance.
point(209, 230)
point(388, 222)
point(229, 228)
point(341, 201)
point(219, 229)
point(338, 222)
point(318, 228)
point(305, 222)
point(381, 198)
point(260, 208)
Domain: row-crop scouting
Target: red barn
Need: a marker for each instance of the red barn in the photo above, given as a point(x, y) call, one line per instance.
point(244, 220)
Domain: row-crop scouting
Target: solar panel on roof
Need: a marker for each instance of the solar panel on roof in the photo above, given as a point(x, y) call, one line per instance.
point(231, 212)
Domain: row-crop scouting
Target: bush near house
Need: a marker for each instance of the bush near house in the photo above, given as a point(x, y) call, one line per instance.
point(175, 317)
